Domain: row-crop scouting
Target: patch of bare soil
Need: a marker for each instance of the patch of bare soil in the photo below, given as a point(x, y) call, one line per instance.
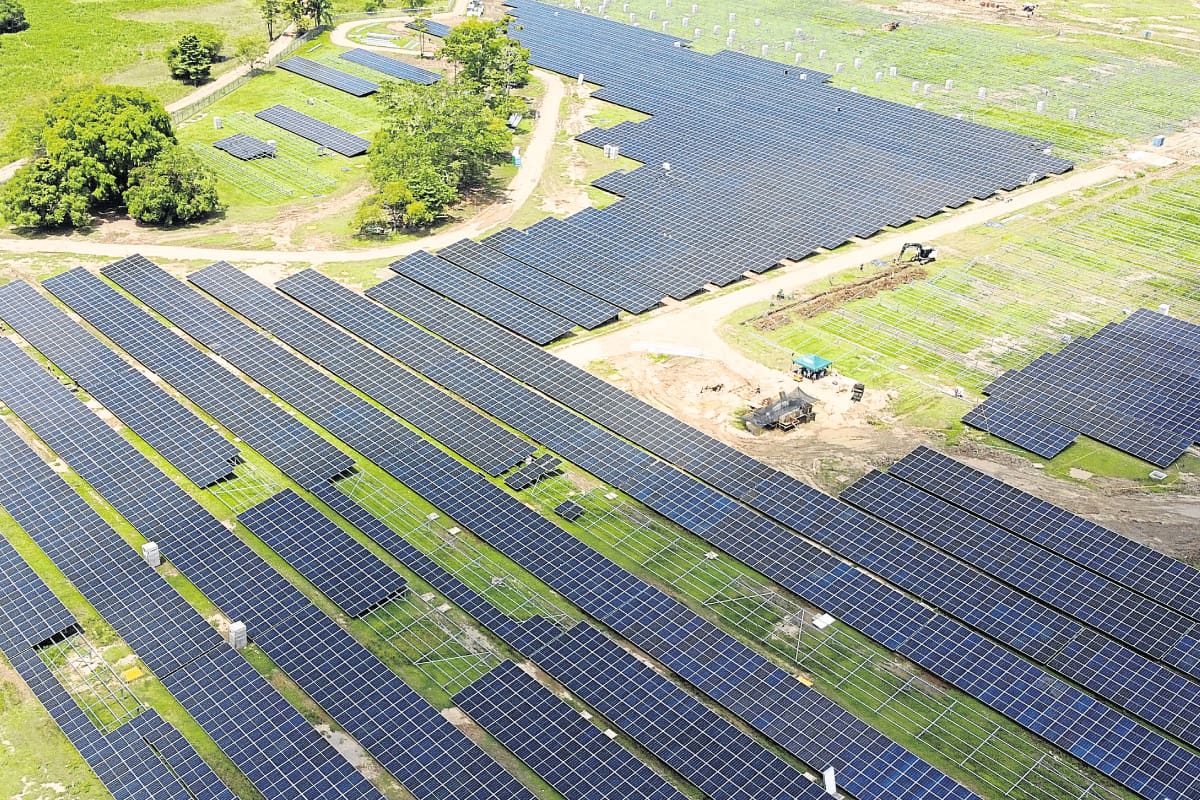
point(848, 439)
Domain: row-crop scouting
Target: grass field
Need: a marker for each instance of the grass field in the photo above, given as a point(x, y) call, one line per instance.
point(115, 41)
point(983, 308)
point(1094, 60)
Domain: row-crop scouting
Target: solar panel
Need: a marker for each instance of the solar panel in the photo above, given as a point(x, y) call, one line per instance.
point(180, 436)
point(558, 744)
point(544, 466)
point(445, 418)
point(390, 66)
point(433, 28)
point(569, 510)
point(563, 299)
point(342, 676)
point(269, 741)
point(1106, 552)
point(510, 310)
point(775, 703)
point(1023, 428)
point(328, 557)
point(322, 133)
point(245, 147)
point(945, 646)
point(1134, 387)
point(336, 78)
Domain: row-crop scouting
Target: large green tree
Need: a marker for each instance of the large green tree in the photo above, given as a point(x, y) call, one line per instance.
point(486, 57)
point(189, 59)
point(12, 16)
point(174, 188)
point(85, 145)
point(272, 12)
point(435, 143)
point(308, 13)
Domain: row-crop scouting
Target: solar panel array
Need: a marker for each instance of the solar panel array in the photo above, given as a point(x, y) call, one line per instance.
point(1132, 385)
point(390, 66)
point(782, 707)
point(445, 418)
point(583, 309)
point(336, 78)
point(765, 162)
point(699, 744)
point(322, 133)
point(433, 28)
point(568, 752)
point(1026, 693)
point(245, 147)
point(188, 443)
point(774, 702)
point(264, 736)
point(1143, 569)
point(406, 735)
point(593, 275)
point(569, 510)
point(329, 558)
point(541, 467)
point(123, 759)
point(507, 308)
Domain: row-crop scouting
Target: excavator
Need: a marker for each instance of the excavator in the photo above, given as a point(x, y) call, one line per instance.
point(922, 254)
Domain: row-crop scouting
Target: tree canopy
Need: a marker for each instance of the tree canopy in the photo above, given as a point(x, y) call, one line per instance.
point(486, 57)
point(308, 13)
point(191, 58)
point(12, 16)
point(436, 142)
point(175, 187)
point(85, 147)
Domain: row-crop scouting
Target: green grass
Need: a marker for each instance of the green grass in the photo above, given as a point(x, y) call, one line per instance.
point(983, 308)
point(115, 41)
point(1121, 86)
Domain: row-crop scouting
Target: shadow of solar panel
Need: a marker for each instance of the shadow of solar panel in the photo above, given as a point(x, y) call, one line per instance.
point(558, 744)
point(329, 558)
point(180, 436)
point(335, 78)
point(391, 66)
point(247, 148)
point(1023, 428)
point(322, 133)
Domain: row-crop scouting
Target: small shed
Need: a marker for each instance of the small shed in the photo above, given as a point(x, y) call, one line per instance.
point(810, 366)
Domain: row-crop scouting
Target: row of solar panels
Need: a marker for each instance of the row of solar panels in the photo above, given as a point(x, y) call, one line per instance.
point(787, 167)
point(781, 706)
point(1131, 385)
point(1046, 705)
point(238, 290)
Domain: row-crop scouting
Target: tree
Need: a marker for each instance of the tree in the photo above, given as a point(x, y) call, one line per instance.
point(486, 57)
point(249, 49)
point(87, 142)
point(190, 59)
point(12, 16)
point(38, 196)
point(272, 11)
point(175, 187)
point(446, 126)
point(420, 24)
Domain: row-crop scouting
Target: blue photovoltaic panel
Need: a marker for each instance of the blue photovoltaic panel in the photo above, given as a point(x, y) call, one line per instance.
point(1023, 428)
point(510, 310)
point(390, 66)
point(445, 418)
point(556, 742)
point(1023, 691)
point(344, 81)
point(328, 557)
point(1106, 552)
point(247, 148)
point(322, 133)
point(180, 436)
point(433, 28)
point(778, 705)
